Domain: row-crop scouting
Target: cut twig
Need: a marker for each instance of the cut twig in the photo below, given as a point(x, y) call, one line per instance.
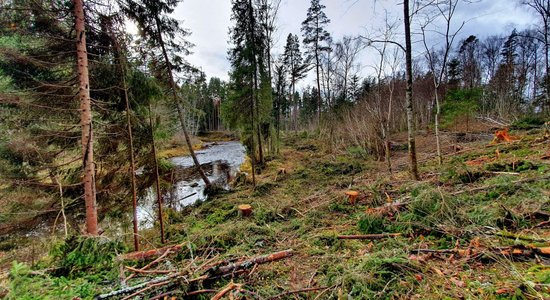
point(231, 286)
point(149, 271)
point(542, 224)
point(369, 236)
point(154, 262)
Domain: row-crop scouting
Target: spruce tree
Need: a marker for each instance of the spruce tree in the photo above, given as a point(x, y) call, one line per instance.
point(295, 66)
point(248, 103)
point(316, 39)
point(163, 33)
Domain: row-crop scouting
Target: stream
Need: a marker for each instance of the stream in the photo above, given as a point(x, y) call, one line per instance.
point(220, 161)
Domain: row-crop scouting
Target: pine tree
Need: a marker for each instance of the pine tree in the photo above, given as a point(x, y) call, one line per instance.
point(293, 60)
point(316, 38)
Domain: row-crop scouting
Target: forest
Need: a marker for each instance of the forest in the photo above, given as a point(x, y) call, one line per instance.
point(411, 161)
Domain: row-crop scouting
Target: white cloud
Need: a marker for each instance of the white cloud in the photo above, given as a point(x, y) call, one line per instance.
point(209, 21)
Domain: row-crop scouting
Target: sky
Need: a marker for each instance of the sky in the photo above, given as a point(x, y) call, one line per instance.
point(209, 22)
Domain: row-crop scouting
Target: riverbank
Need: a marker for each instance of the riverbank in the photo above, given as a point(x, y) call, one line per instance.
point(448, 227)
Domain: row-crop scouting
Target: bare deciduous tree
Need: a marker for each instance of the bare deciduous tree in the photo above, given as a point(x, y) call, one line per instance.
point(446, 10)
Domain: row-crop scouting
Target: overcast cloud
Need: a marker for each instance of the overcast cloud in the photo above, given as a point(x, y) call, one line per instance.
point(209, 21)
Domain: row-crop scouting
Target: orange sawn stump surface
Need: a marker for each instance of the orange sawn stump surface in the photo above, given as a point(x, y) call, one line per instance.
point(245, 209)
point(352, 196)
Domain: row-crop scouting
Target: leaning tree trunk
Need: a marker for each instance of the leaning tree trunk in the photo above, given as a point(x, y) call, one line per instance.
point(85, 120)
point(409, 95)
point(180, 111)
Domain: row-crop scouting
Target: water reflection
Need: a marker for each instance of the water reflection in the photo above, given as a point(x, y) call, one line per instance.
point(220, 162)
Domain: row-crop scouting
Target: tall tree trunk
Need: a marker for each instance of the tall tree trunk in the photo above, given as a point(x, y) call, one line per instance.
point(255, 89)
point(85, 120)
point(547, 63)
point(122, 64)
point(178, 106)
point(295, 114)
point(329, 101)
point(437, 135)
point(409, 95)
point(157, 177)
point(254, 93)
point(132, 162)
point(318, 88)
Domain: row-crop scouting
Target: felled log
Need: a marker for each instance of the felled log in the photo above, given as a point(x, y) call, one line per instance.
point(218, 270)
point(516, 251)
point(142, 255)
point(369, 236)
point(521, 237)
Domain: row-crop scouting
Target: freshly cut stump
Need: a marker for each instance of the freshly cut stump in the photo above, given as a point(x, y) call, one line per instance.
point(352, 196)
point(245, 209)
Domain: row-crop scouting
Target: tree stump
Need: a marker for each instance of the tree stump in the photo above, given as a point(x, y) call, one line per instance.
point(352, 196)
point(245, 209)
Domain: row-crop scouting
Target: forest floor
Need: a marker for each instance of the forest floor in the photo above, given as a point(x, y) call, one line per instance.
point(474, 228)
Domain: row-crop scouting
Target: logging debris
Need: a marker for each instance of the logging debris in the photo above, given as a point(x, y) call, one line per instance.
point(201, 274)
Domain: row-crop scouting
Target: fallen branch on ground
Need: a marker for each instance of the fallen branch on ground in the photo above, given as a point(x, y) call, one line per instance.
point(231, 286)
point(369, 236)
point(233, 267)
point(207, 273)
point(520, 237)
point(142, 255)
point(515, 251)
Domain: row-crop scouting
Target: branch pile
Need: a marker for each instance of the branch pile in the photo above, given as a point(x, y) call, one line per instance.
point(184, 279)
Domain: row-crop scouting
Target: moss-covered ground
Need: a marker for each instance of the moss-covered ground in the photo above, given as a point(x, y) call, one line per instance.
point(476, 200)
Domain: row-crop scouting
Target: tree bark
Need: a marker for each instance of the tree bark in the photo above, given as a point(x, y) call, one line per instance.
point(131, 154)
point(409, 95)
point(123, 67)
point(318, 88)
point(254, 94)
point(157, 177)
point(85, 120)
point(255, 88)
point(437, 135)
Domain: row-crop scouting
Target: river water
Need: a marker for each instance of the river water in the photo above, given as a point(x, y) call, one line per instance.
point(220, 161)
